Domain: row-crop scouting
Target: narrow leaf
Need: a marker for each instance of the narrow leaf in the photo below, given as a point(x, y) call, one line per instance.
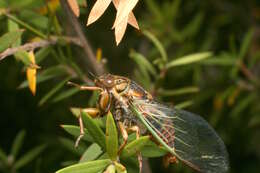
point(181, 91)
point(142, 61)
point(65, 94)
point(189, 59)
point(153, 150)
point(31, 74)
point(74, 7)
point(29, 156)
point(123, 11)
point(157, 44)
point(111, 137)
point(9, 38)
point(120, 30)
point(3, 157)
point(12, 26)
point(97, 10)
point(53, 91)
point(133, 147)
point(17, 144)
point(110, 169)
point(131, 18)
point(94, 130)
point(86, 167)
point(70, 145)
point(75, 131)
point(91, 153)
point(246, 43)
point(120, 168)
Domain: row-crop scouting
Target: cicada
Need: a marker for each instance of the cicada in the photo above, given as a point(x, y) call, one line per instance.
point(186, 136)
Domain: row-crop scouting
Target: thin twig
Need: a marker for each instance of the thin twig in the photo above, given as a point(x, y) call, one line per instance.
point(75, 25)
point(42, 43)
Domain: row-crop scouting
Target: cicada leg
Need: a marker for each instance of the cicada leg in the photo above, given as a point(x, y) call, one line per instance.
point(82, 87)
point(124, 135)
point(168, 159)
point(136, 129)
point(93, 112)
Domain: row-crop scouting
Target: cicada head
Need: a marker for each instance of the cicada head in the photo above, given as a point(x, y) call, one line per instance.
point(109, 82)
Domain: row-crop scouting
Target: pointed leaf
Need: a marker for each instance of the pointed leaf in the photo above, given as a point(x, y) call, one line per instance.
point(188, 59)
point(133, 147)
point(153, 150)
point(70, 145)
point(123, 11)
point(31, 74)
point(13, 26)
point(120, 30)
point(157, 44)
point(17, 144)
point(97, 10)
point(131, 18)
point(91, 153)
point(94, 130)
point(143, 62)
point(111, 137)
point(74, 7)
point(9, 38)
point(3, 157)
point(120, 168)
point(65, 94)
point(181, 91)
point(110, 169)
point(28, 157)
point(75, 131)
point(54, 90)
point(86, 167)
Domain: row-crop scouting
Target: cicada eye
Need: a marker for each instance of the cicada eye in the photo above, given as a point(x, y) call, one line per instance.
point(121, 87)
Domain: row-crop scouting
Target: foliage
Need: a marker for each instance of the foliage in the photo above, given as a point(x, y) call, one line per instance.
point(200, 56)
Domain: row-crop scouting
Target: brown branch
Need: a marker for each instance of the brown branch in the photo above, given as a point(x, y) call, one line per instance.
point(42, 43)
point(87, 50)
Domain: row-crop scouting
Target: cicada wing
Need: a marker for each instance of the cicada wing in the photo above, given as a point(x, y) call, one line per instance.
point(189, 136)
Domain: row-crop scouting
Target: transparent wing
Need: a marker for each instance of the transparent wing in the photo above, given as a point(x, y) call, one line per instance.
point(189, 136)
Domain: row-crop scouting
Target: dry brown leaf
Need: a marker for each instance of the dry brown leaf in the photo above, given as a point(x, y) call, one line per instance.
point(124, 9)
point(74, 6)
point(97, 10)
point(131, 18)
point(31, 74)
point(120, 30)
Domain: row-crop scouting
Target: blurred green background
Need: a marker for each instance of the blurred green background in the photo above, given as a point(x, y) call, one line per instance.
point(224, 89)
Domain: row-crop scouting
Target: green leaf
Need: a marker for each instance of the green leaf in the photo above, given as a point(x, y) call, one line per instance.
point(91, 153)
point(223, 61)
point(181, 91)
point(94, 130)
point(120, 168)
point(42, 54)
point(75, 131)
point(246, 43)
point(12, 26)
point(65, 94)
point(111, 137)
point(70, 145)
point(3, 157)
point(133, 147)
point(110, 169)
point(86, 167)
point(29, 156)
point(17, 144)
point(157, 44)
point(24, 57)
point(153, 150)
point(193, 27)
point(184, 104)
point(54, 91)
point(143, 62)
point(9, 38)
point(189, 59)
